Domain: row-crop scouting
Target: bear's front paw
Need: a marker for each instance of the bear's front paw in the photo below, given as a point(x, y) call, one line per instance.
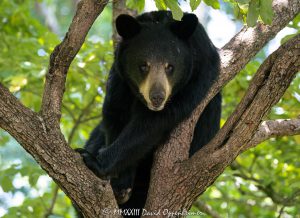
point(123, 195)
point(93, 164)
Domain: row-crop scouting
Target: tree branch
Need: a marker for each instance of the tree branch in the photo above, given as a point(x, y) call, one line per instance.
point(234, 56)
point(39, 133)
point(49, 211)
point(53, 154)
point(63, 55)
point(245, 45)
point(193, 176)
point(265, 90)
point(206, 209)
point(78, 121)
point(269, 191)
point(274, 128)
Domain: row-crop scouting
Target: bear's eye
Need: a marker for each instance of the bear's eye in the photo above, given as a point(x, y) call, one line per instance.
point(144, 68)
point(169, 69)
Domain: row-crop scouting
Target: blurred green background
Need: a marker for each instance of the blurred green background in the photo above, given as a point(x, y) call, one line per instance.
point(262, 182)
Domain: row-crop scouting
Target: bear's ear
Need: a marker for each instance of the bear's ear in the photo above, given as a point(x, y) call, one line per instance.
point(127, 26)
point(186, 27)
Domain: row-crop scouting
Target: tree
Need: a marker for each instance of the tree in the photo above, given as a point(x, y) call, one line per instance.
point(176, 180)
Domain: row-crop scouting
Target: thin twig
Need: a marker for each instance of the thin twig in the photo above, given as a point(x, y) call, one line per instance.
point(206, 209)
point(50, 209)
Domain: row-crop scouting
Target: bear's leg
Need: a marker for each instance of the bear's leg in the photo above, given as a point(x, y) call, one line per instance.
point(134, 206)
point(94, 143)
point(96, 140)
point(208, 124)
point(122, 185)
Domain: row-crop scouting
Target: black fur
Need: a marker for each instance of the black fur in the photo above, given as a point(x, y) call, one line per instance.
point(122, 145)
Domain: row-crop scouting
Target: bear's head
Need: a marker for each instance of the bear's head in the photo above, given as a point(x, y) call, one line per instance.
point(154, 55)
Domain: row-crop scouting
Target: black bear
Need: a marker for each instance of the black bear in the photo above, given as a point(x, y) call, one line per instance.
point(163, 68)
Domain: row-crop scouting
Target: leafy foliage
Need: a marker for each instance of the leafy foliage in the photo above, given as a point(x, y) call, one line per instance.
point(174, 7)
point(213, 3)
point(260, 183)
point(136, 4)
point(177, 12)
point(252, 10)
point(26, 46)
point(247, 10)
point(194, 4)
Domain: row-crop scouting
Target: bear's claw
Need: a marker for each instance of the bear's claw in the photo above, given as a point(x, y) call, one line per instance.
point(92, 163)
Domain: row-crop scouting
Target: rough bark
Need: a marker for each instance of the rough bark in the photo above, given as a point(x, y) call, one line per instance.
point(183, 181)
point(39, 133)
point(176, 184)
point(234, 56)
point(52, 153)
point(63, 55)
point(275, 128)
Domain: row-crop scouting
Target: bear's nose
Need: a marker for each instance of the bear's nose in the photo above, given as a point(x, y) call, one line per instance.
point(157, 98)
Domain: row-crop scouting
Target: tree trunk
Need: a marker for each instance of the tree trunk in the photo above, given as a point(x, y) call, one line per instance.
point(176, 180)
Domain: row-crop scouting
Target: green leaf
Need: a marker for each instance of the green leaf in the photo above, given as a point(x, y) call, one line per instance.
point(253, 12)
point(6, 184)
point(194, 4)
point(266, 11)
point(236, 10)
point(33, 178)
point(160, 4)
point(136, 4)
point(174, 7)
point(3, 140)
point(213, 3)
